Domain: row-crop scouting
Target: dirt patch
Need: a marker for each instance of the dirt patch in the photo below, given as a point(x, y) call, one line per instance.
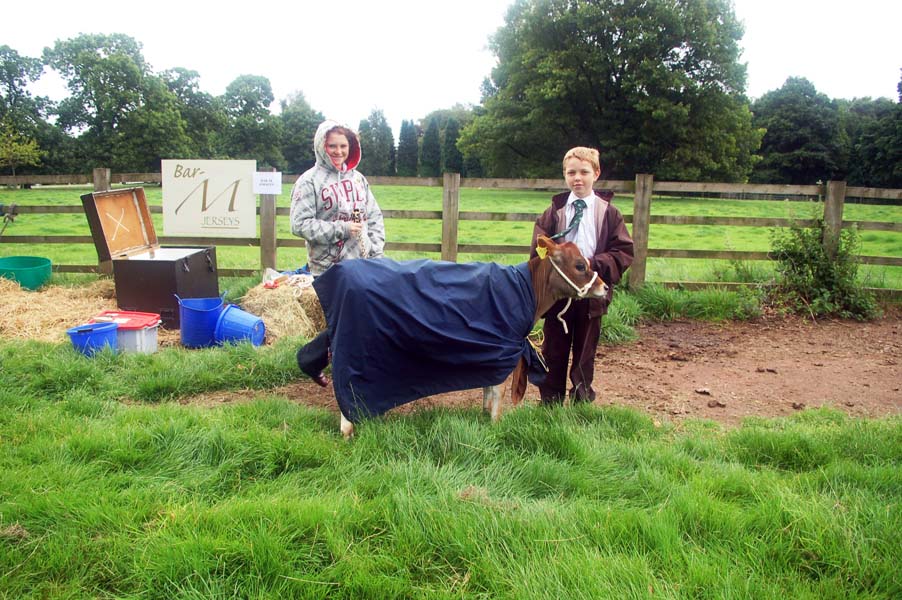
point(723, 372)
point(768, 368)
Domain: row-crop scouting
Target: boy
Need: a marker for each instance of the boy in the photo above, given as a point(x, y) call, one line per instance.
point(588, 219)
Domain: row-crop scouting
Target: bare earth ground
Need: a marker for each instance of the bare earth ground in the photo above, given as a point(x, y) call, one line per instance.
point(723, 372)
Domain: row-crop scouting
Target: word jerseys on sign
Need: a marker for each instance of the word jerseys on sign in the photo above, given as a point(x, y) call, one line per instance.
point(211, 198)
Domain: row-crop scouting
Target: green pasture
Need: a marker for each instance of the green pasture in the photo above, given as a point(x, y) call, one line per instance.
point(115, 484)
point(873, 243)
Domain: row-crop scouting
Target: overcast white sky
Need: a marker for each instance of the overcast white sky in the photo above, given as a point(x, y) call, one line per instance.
point(410, 57)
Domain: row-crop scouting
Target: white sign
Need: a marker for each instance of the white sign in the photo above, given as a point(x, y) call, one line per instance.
point(268, 183)
point(212, 198)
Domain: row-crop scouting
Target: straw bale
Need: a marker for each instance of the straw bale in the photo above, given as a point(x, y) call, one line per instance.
point(46, 314)
point(286, 310)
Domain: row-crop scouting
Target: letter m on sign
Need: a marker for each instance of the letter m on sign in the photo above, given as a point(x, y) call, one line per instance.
point(204, 185)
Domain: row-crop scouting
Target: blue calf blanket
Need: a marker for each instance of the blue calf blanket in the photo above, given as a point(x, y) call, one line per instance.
point(404, 330)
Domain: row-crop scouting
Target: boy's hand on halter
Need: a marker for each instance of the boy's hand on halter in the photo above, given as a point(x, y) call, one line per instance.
point(355, 228)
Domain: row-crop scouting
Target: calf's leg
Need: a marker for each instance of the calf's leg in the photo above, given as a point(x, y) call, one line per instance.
point(518, 382)
point(491, 401)
point(347, 428)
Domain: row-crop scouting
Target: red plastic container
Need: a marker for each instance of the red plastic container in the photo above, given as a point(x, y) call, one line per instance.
point(137, 330)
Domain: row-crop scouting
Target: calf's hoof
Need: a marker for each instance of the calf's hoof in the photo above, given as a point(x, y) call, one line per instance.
point(320, 380)
point(347, 428)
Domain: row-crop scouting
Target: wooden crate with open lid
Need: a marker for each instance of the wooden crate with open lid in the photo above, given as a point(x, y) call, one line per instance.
point(147, 276)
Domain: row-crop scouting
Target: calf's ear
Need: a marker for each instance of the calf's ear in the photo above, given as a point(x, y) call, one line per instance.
point(544, 245)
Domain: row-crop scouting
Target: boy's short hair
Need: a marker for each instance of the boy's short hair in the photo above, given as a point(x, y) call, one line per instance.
point(590, 155)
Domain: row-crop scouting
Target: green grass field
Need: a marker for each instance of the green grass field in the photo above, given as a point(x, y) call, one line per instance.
point(873, 243)
point(111, 488)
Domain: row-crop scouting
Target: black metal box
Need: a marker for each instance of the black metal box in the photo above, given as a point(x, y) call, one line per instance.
point(148, 278)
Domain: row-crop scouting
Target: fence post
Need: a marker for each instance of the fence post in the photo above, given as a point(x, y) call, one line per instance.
point(102, 177)
point(450, 214)
point(268, 230)
point(834, 200)
point(641, 212)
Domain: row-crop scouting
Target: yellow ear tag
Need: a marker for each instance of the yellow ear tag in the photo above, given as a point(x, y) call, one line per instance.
point(542, 252)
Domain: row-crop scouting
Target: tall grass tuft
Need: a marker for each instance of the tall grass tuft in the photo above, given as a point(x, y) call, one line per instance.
point(618, 325)
point(661, 303)
point(714, 304)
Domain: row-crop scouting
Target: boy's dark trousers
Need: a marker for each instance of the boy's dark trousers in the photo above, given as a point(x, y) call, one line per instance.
point(582, 339)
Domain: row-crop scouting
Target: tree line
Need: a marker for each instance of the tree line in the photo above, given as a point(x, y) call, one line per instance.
point(656, 85)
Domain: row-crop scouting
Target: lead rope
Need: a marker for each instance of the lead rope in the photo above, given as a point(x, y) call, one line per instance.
point(360, 243)
point(580, 291)
point(7, 216)
point(560, 315)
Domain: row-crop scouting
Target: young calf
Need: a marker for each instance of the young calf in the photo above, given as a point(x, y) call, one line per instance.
point(399, 331)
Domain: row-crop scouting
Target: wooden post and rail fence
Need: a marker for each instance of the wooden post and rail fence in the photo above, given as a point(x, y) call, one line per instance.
point(834, 194)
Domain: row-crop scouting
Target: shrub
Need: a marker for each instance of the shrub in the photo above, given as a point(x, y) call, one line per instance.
point(809, 280)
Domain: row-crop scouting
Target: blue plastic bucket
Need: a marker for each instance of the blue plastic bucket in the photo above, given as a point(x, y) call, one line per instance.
point(92, 337)
point(236, 325)
point(198, 320)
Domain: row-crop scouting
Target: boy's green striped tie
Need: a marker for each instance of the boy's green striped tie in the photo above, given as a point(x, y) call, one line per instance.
point(579, 205)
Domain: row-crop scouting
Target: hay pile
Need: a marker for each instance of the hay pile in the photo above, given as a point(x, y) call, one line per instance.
point(286, 310)
point(45, 315)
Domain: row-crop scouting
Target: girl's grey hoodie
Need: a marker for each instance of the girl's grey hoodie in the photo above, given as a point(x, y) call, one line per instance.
point(325, 200)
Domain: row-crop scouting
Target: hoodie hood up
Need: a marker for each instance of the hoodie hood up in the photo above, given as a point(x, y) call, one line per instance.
point(319, 146)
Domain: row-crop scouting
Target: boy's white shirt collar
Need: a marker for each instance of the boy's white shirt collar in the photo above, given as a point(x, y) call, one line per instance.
point(572, 198)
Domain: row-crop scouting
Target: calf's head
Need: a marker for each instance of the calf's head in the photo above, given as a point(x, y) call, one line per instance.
point(571, 274)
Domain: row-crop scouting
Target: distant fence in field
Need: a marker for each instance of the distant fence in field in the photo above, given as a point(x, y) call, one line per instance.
point(833, 193)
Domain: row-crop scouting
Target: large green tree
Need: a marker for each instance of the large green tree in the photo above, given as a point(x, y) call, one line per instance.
point(18, 108)
point(254, 132)
point(874, 128)
point(431, 151)
point(804, 140)
point(154, 130)
point(124, 115)
point(62, 153)
point(407, 150)
point(656, 85)
point(15, 150)
point(104, 75)
point(204, 116)
point(463, 115)
point(299, 123)
point(22, 116)
point(378, 145)
point(452, 159)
